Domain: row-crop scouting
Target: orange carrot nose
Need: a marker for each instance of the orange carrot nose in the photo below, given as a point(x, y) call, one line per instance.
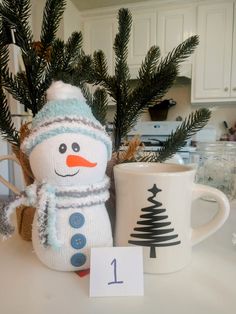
point(78, 161)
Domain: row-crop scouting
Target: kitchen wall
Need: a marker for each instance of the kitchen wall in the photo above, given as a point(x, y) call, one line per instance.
point(219, 113)
point(181, 93)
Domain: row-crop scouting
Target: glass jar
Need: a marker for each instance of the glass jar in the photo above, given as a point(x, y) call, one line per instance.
point(216, 166)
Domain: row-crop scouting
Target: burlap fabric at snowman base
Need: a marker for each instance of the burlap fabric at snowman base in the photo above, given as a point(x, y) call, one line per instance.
point(24, 214)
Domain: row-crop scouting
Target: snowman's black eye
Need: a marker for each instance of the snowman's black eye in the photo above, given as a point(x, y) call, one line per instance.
point(75, 147)
point(62, 148)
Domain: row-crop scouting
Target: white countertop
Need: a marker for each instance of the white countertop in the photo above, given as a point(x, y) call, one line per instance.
point(206, 286)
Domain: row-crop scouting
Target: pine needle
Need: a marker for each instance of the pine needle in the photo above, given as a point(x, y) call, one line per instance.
point(190, 126)
point(155, 77)
point(52, 14)
point(8, 131)
point(99, 105)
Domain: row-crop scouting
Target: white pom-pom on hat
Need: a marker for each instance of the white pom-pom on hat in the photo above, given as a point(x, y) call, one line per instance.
point(60, 90)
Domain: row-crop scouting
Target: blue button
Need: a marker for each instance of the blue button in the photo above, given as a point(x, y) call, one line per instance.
point(78, 241)
point(78, 259)
point(76, 220)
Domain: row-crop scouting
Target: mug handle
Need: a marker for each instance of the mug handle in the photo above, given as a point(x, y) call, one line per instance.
point(202, 232)
point(4, 181)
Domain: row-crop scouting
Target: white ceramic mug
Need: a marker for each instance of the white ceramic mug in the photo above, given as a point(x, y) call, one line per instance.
point(153, 210)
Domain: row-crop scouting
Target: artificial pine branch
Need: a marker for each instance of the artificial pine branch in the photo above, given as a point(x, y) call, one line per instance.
point(64, 58)
point(73, 49)
point(84, 68)
point(192, 124)
point(153, 88)
point(6, 125)
point(101, 69)
point(182, 51)
point(87, 94)
point(148, 66)
point(4, 54)
point(15, 14)
point(99, 105)
point(121, 45)
point(16, 87)
point(155, 77)
point(42, 60)
point(52, 14)
point(7, 128)
point(122, 75)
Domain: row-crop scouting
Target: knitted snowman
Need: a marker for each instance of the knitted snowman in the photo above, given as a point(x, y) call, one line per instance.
point(68, 151)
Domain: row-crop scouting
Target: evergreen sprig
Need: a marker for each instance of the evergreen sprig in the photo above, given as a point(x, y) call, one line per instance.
point(15, 16)
point(181, 52)
point(155, 77)
point(97, 101)
point(42, 61)
point(28, 87)
point(101, 70)
point(99, 105)
point(148, 66)
point(64, 58)
point(7, 128)
point(121, 46)
point(177, 139)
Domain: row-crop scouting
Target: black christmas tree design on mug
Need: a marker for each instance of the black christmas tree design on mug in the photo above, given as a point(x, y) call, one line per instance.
point(153, 233)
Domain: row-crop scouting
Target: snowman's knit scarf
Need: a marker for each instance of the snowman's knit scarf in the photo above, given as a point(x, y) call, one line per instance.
point(48, 200)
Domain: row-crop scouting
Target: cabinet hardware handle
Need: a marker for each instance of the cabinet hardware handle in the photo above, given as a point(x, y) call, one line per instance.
point(226, 89)
point(234, 89)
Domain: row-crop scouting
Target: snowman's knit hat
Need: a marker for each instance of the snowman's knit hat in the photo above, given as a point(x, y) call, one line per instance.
point(65, 112)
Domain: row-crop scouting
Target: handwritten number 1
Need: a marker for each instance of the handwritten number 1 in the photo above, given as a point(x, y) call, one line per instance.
point(115, 274)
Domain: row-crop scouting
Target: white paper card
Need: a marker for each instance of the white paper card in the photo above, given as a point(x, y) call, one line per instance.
point(116, 271)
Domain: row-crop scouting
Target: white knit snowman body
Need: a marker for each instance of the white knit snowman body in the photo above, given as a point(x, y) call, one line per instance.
point(89, 227)
point(68, 151)
point(73, 164)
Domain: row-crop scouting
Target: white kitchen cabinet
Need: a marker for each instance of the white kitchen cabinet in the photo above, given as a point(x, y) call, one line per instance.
point(142, 37)
point(214, 77)
point(174, 26)
point(165, 26)
point(99, 34)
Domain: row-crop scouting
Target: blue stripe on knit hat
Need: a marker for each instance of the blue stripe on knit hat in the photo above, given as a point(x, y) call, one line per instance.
point(62, 109)
point(29, 144)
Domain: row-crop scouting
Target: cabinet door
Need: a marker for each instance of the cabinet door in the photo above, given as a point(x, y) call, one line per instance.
point(99, 35)
point(142, 37)
point(174, 26)
point(212, 71)
point(233, 74)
